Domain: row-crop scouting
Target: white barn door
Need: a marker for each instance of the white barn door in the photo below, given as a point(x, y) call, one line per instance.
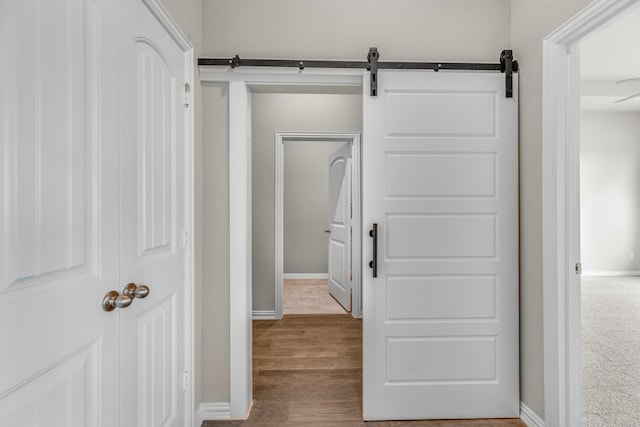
point(339, 204)
point(440, 179)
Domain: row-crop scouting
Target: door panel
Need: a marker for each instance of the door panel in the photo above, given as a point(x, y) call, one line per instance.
point(440, 330)
point(152, 221)
point(91, 112)
point(58, 210)
point(340, 226)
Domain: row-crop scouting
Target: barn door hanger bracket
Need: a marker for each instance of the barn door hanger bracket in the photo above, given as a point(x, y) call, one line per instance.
point(372, 57)
point(508, 66)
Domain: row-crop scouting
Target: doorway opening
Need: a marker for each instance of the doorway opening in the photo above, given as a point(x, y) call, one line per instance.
point(315, 115)
point(561, 202)
point(289, 171)
point(609, 232)
point(314, 269)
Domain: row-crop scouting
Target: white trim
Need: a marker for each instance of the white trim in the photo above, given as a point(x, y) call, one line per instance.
point(239, 250)
point(560, 211)
point(530, 418)
point(264, 315)
point(166, 21)
point(320, 78)
point(170, 26)
point(305, 276)
point(209, 411)
point(354, 140)
point(610, 273)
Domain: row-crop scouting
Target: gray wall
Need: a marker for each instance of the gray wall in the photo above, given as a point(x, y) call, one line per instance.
point(334, 29)
point(273, 113)
point(306, 185)
point(610, 191)
point(531, 22)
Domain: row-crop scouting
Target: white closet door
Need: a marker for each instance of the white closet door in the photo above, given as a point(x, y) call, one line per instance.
point(58, 214)
point(440, 178)
point(153, 217)
point(339, 204)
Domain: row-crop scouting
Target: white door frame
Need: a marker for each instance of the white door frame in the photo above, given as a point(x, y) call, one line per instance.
point(241, 82)
point(561, 210)
point(166, 21)
point(354, 140)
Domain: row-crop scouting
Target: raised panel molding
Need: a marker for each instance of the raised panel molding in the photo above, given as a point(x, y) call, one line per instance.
point(420, 236)
point(65, 391)
point(441, 174)
point(157, 152)
point(432, 298)
point(157, 364)
point(452, 359)
point(430, 112)
point(47, 184)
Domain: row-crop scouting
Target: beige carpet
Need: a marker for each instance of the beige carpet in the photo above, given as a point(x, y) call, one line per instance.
point(611, 351)
point(308, 297)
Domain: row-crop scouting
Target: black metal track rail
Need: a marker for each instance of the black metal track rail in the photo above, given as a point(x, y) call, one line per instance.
point(506, 65)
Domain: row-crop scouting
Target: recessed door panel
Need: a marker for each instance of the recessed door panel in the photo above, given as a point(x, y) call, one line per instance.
point(416, 113)
point(67, 395)
point(433, 174)
point(432, 297)
point(440, 236)
point(157, 365)
point(45, 146)
point(156, 101)
point(447, 363)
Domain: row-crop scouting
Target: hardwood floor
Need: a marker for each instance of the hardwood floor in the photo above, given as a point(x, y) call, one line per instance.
point(307, 371)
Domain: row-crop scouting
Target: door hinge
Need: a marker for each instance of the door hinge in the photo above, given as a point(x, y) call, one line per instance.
point(578, 268)
point(185, 238)
point(185, 385)
point(187, 95)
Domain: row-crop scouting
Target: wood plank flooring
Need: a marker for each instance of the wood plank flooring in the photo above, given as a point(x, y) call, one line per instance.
point(307, 371)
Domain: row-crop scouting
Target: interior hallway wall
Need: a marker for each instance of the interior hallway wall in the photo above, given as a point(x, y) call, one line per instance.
point(306, 194)
point(531, 21)
point(331, 29)
point(610, 191)
point(273, 113)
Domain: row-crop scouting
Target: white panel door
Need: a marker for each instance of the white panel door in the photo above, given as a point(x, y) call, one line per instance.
point(440, 179)
point(339, 204)
point(58, 214)
point(153, 218)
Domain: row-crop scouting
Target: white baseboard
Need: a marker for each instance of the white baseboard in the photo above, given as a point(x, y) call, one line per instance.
point(305, 276)
point(611, 273)
point(530, 418)
point(212, 411)
point(263, 314)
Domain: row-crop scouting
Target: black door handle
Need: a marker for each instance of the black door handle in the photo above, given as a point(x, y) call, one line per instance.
point(373, 264)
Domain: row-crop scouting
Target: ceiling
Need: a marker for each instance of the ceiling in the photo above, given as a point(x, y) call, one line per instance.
point(607, 56)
